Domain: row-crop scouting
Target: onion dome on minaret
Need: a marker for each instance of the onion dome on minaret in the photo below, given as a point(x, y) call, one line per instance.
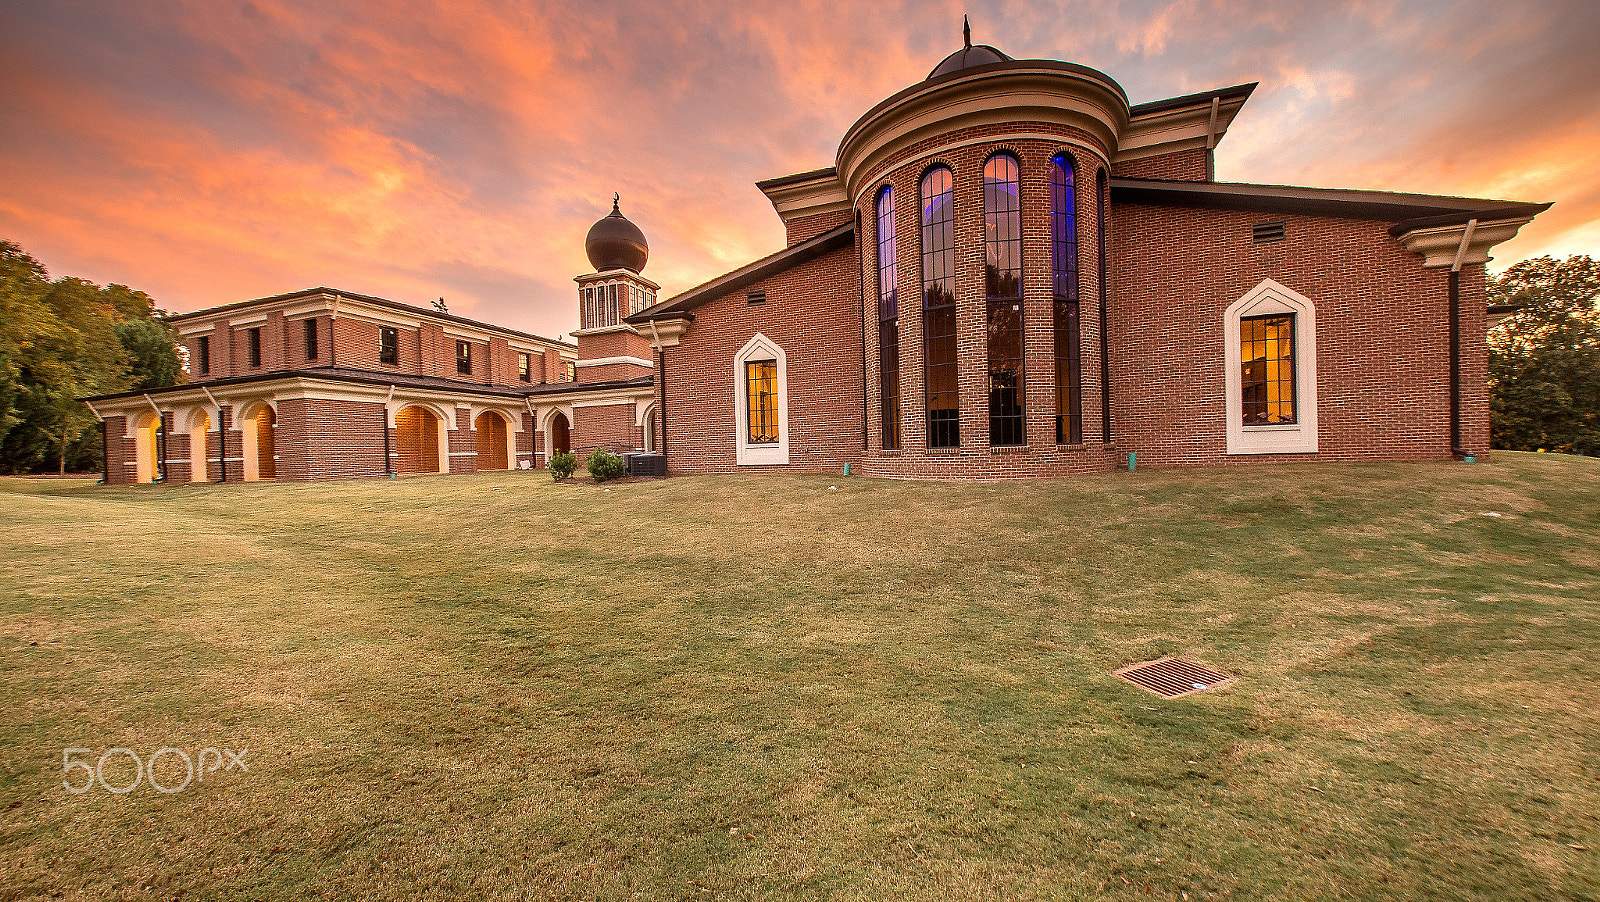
point(968, 56)
point(616, 243)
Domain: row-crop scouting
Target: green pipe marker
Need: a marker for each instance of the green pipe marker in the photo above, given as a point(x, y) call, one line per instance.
point(1133, 461)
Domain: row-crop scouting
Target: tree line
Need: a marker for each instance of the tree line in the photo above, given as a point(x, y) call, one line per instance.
point(65, 339)
point(1544, 359)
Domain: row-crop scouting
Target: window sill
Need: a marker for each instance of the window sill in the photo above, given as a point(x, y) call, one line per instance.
point(1009, 449)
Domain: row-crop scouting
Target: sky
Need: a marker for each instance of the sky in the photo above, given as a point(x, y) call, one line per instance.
point(212, 151)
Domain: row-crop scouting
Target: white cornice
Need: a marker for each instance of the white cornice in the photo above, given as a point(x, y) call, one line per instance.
point(1183, 128)
point(603, 330)
point(357, 309)
point(1439, 246)
point(665, 333)
point(1049, 95)
point(607, 361)
point(868, 187)
point(626, 275)
point(824, 194)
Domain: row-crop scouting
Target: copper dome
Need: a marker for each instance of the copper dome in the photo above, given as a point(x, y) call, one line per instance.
point(968, 56)
point(616, 243)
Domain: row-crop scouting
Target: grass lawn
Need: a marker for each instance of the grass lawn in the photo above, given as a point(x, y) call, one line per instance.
point(763, 687)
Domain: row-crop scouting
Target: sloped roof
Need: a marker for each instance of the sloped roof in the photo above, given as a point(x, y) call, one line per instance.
point(679, 305)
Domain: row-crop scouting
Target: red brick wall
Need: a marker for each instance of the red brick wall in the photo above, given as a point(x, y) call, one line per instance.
point(610, 427)
point(119, 451)
point(350, 342)
point(1382, 334)
point(272, 349)
point(802, 227)
point(621, 343)
point(1185, 165)
point(1474, 301)
point(319, 439)
point(528, 443)
point(611, 371)
point(812, 312)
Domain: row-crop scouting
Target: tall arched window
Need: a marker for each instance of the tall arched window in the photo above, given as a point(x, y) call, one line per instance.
point(888, 321)
point(939, 308)
point(1002, 224)
point(1064, 288)
point(1100, 193)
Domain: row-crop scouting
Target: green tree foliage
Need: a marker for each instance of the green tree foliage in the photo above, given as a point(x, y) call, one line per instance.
point(63, 340)
point(1544, 359)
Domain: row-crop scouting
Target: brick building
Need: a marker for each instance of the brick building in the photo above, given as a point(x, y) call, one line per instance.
point(1008, 271)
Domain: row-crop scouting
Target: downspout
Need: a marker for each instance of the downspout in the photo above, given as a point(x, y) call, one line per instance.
point(388, 462)
point(1211, 140)
point(222, 438)
point(105, 447)
point(1101, 190)
point(161, 446)
point(1455, 342)
point(661, 367)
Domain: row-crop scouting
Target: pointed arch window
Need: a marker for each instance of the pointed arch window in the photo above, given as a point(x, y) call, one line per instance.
point(939, 309)
point(888, 320)
point(1064, 291)
point(1002, 224)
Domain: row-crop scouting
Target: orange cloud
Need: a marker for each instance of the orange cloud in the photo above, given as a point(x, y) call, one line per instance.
point(211, 152)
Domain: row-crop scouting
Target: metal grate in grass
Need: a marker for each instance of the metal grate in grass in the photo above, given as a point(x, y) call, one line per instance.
point(1172, 677)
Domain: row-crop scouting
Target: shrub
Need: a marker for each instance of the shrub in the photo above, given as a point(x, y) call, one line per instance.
point(562, 464)
point(603, 465)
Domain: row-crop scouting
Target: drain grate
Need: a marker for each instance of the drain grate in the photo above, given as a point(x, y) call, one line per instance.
point(1172, 677)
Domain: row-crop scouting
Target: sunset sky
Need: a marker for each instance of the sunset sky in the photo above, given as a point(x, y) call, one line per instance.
point(215, 151)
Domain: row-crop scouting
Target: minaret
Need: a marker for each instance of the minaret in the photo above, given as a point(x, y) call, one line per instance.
point(609, 349)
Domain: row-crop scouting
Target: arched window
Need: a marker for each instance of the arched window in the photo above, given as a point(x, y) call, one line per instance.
point(939, 309)
point(1064, 290)
point(761, 403)
point(1270, 382)
point(888, 321)
point(1002, 241)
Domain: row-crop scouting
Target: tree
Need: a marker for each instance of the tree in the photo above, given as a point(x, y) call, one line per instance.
point(1544, 359)
point(64, 340)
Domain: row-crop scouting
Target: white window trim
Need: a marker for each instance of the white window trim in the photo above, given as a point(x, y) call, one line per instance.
point(1299, 437)
point(749, 455)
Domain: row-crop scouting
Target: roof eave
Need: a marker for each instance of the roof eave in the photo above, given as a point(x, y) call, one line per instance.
point(678, 306)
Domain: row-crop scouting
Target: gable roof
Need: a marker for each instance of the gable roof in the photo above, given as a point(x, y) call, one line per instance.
point(679, 305)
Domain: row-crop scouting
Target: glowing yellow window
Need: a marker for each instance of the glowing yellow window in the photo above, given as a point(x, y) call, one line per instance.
point(761, 381)
point(1266, 351)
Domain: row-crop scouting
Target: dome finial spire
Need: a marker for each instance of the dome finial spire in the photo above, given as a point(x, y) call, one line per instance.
point(966, 32)
point(616, 199)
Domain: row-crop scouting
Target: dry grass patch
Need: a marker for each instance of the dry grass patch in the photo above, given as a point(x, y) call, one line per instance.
point(758, 687)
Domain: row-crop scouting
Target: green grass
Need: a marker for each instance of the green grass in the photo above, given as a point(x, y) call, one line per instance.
point(497, 687)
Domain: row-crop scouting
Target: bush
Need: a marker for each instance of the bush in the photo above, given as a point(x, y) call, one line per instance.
point(563, 464)
point(603, 465)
